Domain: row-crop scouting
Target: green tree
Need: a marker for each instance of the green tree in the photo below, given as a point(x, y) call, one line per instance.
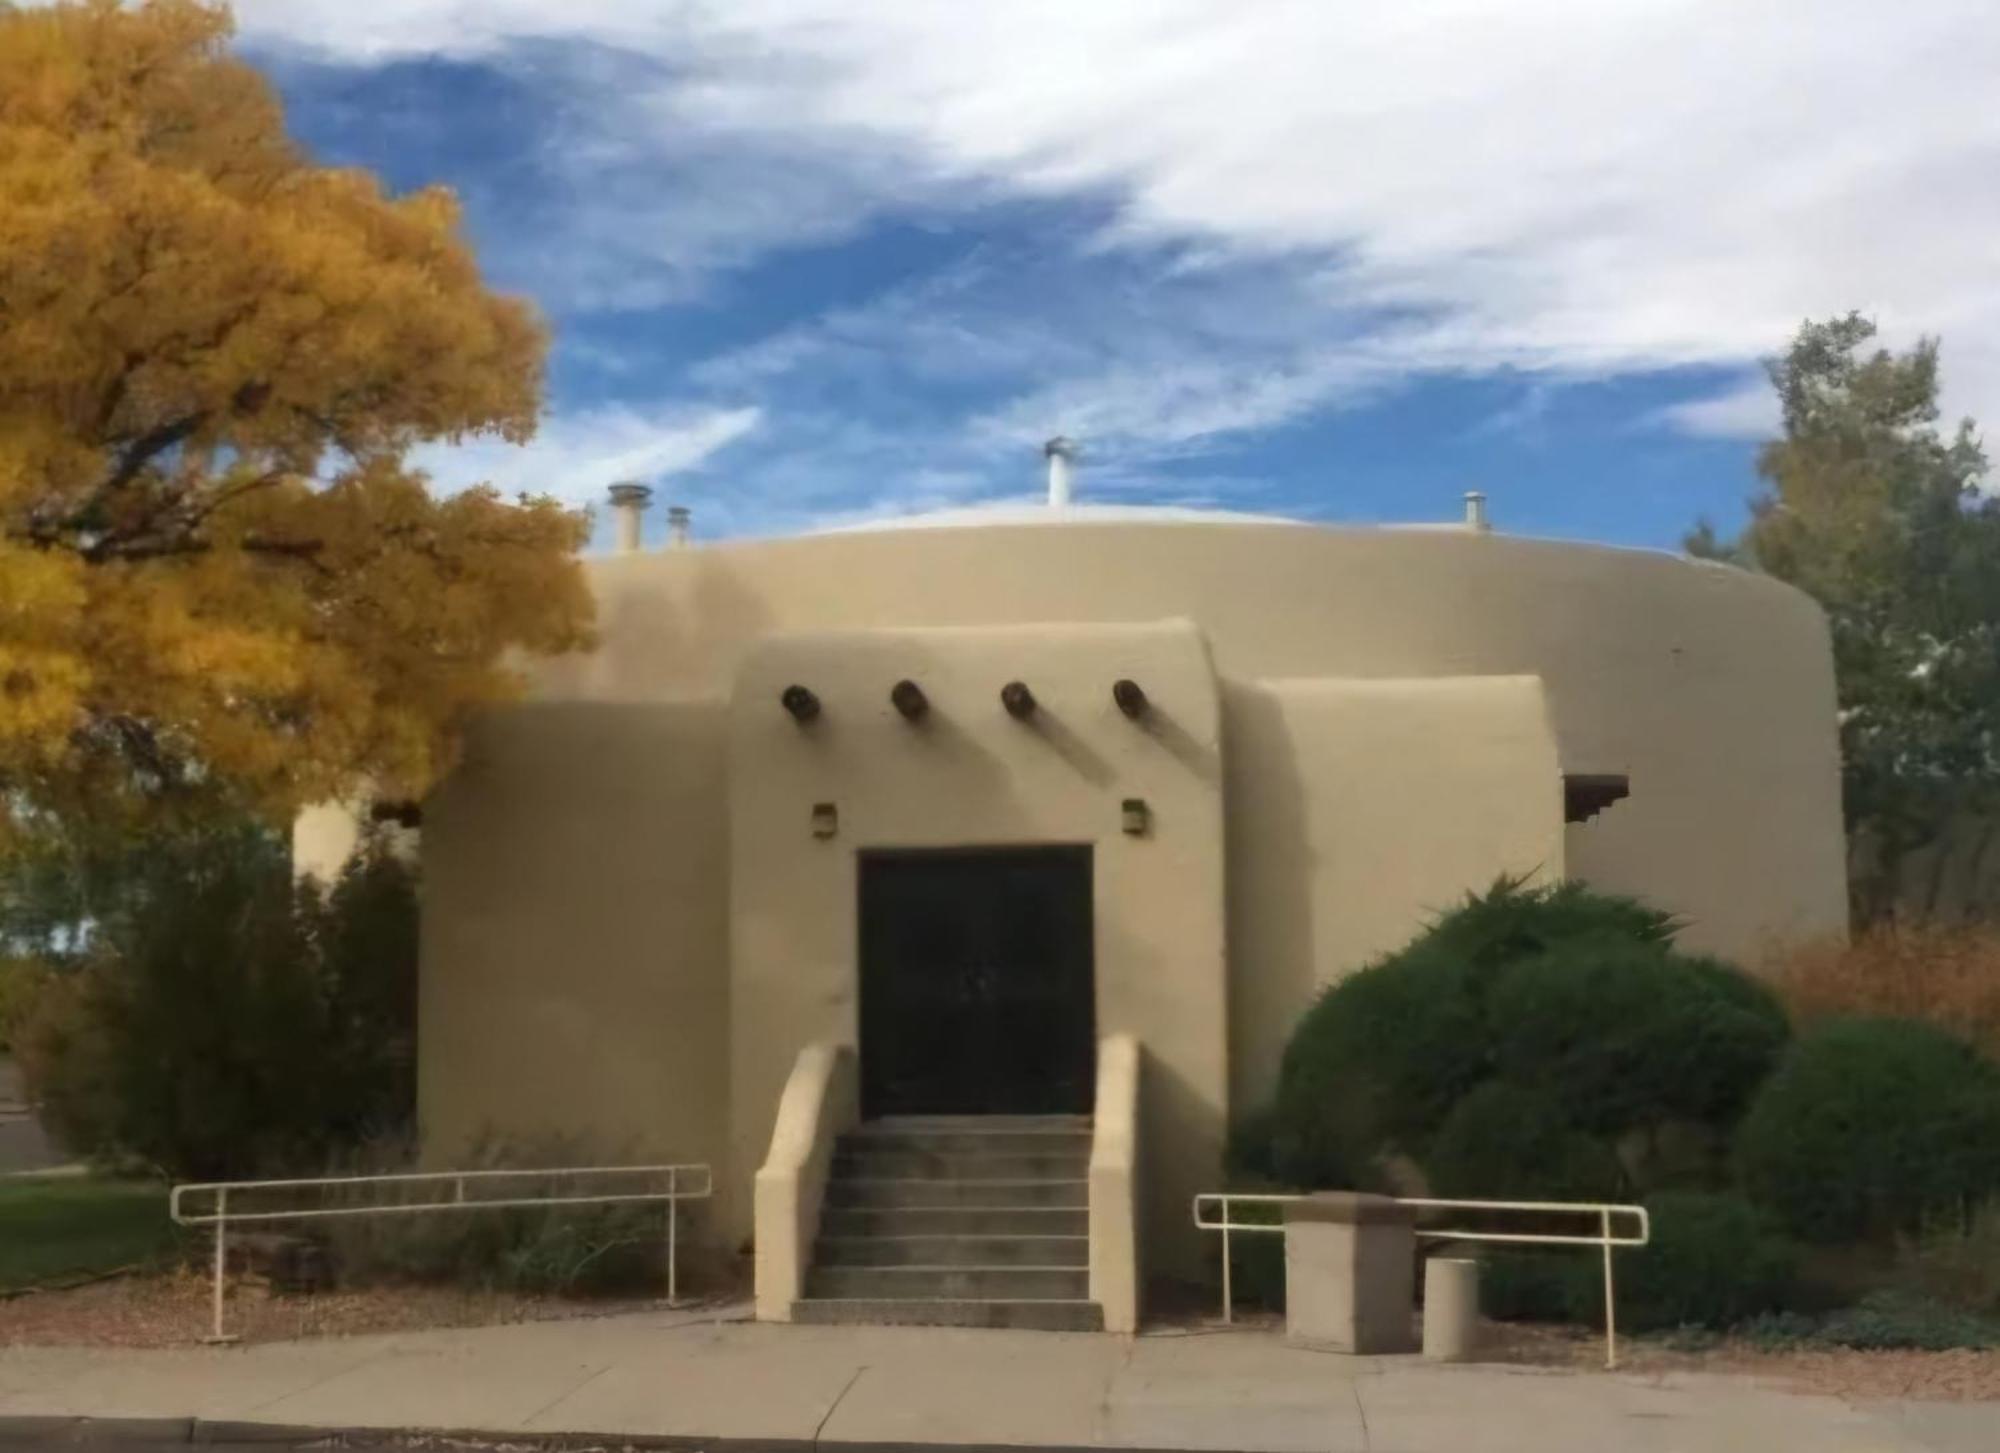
point(216, 1017)
point(1877, 514)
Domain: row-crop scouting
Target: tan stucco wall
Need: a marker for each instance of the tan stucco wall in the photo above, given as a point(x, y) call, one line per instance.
point(574, 939)
point(579, 905)
point(971, 775)
point(1360, 809)
point(1711, 686)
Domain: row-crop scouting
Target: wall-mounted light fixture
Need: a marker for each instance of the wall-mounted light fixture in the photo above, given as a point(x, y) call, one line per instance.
point(908, 698)
point(1019, 701)
point(825, 819)
point(1131, 698)
point(1136, 816)
point(800, 702)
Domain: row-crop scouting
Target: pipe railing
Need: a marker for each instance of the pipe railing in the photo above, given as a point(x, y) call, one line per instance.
point(1641, 1232)
point(427, 1186)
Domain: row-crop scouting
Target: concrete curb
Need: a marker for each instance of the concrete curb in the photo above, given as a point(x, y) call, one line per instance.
point(56, 1428)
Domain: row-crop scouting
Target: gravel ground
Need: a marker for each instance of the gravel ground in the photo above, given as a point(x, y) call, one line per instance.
point(171, 1310)
point(1962, 1376)
point(1842, 1372)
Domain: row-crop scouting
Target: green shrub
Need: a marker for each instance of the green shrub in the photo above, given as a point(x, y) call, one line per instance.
point(1889, 1319)
point(1377, 1062)
point(1777, 1331)
point(1528, 1286)
point(1512, 921)
point(1956, 1260)
point(1871, 1127)
point(1627, 1035)
point(1712, 1262)
point(1503, 1142)
point(1249, 1155)
point(583, 1249)
point(1574, 994)
point(227, 1022)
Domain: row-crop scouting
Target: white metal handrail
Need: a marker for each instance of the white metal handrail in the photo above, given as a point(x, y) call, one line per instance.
point(220, 1216)
point(1641, 1234)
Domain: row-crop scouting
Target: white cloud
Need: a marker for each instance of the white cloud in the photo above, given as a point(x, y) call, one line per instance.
point(577, 455)
point(1747, 412)
point(1577, 186)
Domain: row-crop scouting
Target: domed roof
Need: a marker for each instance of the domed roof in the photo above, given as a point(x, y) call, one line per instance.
point(1036, 512)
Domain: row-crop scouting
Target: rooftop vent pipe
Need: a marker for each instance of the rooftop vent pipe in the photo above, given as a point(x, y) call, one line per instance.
point(1475, 512)
point(628, 508)
point(679, 518)
point(1061, 454)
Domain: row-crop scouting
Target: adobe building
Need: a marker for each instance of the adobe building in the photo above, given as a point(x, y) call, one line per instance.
point(950, 884)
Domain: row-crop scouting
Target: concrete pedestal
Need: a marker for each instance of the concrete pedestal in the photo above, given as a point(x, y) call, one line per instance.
point(1350, 1273)
point(1451, 1308)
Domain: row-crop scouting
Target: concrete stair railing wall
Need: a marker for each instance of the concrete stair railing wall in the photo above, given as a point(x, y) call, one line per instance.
point(1114, 1184)
point(821, 1100)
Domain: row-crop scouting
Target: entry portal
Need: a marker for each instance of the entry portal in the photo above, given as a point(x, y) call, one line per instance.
point(976, 982)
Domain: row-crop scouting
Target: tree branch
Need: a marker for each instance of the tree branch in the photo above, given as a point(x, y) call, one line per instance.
point(141, 452)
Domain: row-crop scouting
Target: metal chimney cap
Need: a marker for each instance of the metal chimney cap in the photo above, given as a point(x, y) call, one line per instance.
point(1060, 447)
point(630, 492)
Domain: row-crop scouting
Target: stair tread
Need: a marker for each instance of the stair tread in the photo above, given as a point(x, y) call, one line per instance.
point(966, 1236)
point(974, 1301)
point(977, 1122)
point(897, 1269)
point(854, 1180)
point(930, 1188)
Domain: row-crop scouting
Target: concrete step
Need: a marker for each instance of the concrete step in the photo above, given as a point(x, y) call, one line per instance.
point(955, 1221)
point(1065, 1315)
point(925, 1124)
point(1065, 1251)
point(852, 1192)
point(888, 1135)
point(949, 1283)
point(962, 1165)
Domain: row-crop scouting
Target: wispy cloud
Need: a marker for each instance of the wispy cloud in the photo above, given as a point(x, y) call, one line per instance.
point(577, 455)
point(1749, 411)
point(1569, 188)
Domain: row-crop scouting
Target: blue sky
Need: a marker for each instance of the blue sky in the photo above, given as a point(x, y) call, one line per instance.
point(811, 261)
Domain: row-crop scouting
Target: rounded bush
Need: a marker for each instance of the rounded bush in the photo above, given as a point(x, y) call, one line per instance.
point(1713, 1261)
point(1512, 921)
point(1870, 1127)
point(1576, 994)
point(1628, 1034)
point(1528, 1286)
point(1503, 1142)
point(1377, 1062)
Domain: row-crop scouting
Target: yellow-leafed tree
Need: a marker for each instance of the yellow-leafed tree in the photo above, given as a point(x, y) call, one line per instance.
point(218, 577)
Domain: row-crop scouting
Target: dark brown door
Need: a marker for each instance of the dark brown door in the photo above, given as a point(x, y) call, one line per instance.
point(976, 983)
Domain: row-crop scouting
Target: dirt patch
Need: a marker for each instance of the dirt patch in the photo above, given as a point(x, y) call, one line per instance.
point(1964, 1375)
point(171, 1309)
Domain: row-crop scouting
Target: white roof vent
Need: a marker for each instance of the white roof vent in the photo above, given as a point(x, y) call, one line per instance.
point(1061, 454)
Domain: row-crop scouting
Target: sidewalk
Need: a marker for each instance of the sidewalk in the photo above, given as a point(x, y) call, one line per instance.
point(716, 1378)
point(23, 1147)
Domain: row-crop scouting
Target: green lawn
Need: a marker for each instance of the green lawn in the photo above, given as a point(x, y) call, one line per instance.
point(57, 1228)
